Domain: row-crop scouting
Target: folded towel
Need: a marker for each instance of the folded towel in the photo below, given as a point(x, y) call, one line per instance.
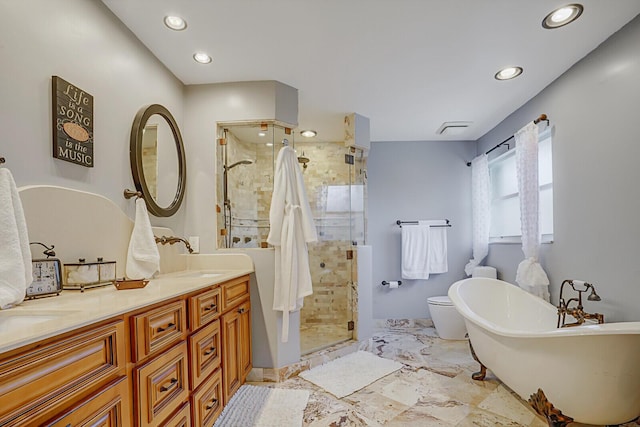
point(415, 251)
point(437, 247)
point(143, 258)
point(15, 256)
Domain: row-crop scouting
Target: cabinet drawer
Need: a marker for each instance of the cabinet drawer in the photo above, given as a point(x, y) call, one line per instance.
point(204, 353)
point(108, 407)
point(41, 382)
point(234, 292)
point(161, 386)
point(206, 402)
point(204, 307)
point(182, 418)
point(158, 328)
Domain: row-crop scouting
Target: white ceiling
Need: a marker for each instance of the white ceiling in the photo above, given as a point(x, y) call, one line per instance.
point(408, 65)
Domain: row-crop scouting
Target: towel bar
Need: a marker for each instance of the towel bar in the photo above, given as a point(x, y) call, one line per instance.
point(130, 193)
point(399, 222)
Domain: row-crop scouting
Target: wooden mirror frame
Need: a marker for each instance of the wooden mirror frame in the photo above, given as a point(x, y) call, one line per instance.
point(135, 157)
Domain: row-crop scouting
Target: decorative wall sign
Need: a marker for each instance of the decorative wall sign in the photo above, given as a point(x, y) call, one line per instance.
point(72, 123)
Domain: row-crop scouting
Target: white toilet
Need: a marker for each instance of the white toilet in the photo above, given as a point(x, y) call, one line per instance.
point(448, 322)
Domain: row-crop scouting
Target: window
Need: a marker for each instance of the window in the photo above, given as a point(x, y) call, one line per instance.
point(505, 200)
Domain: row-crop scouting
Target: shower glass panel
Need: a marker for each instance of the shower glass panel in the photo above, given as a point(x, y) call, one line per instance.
point(336, 192)
point(327, 315)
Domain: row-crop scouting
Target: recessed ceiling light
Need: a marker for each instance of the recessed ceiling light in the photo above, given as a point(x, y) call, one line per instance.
point(202, 57)
point(508, 73)
point(175, 23)
point(261, 133)
point(562, 16)
point(308, 133)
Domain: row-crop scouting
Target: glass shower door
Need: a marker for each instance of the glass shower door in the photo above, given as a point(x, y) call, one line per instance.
point(327, 316)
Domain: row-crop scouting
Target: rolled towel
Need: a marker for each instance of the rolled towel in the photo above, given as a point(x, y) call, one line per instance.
point(15, 256)
point(143, 258)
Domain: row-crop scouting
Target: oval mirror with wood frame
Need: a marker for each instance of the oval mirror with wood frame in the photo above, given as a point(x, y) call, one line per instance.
point(156, 145)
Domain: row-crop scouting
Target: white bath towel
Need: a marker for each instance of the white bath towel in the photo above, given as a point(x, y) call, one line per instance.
point(415, 251)
point(143, 258)
point(437, 247)
point(15, 256)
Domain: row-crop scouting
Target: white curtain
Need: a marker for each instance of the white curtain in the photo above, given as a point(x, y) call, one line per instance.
point(530, 275)
point(481, 210)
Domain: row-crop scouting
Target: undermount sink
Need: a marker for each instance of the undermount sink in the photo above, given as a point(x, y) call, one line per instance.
point(197, 274)
point(14, 320)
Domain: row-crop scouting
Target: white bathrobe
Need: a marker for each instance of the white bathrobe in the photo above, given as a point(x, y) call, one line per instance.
point(292, 228)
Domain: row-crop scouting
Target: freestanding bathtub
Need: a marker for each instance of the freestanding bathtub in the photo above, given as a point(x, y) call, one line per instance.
point(590, 372)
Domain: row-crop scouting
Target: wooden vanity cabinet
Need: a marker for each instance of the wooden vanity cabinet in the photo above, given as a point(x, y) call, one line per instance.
point(190, 374)
point(109, 406)
point(175, 363)
point(42, 381)
point(236, 336)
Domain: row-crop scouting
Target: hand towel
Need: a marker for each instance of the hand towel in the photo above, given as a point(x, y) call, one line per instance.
point(437, 247)
point(143, 258)
point(415, 251)
point(15, 255)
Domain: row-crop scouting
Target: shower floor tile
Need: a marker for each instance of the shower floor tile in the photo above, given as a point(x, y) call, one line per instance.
point(319, 336)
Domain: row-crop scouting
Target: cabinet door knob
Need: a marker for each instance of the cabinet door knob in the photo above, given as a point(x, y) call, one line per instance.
point(164, 328)
point(209, 351)
point(213, 404)
point(171, 384)
point(241, 310)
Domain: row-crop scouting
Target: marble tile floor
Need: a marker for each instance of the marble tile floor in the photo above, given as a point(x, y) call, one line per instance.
point(434, 388)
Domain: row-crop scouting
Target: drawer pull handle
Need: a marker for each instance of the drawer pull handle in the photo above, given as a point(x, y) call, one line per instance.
point(171, 384)
point(210, 307)
point(213, 404)
point(241, 310)
point(211, 350)
point(164, 328)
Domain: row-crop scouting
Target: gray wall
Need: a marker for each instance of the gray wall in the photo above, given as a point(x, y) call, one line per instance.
point(594, 109)
point(412, 181)
point(82, 42)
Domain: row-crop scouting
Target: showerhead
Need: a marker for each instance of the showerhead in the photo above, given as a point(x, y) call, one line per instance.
point(241, 162)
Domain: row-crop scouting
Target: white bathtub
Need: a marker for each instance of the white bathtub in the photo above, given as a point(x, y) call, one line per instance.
point(590, 373)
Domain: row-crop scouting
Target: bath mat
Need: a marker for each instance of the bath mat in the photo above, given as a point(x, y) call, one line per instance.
point(350, 373)
point(253, 406)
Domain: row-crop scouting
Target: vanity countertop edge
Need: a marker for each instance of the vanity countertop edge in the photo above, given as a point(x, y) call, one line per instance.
point(73, 309)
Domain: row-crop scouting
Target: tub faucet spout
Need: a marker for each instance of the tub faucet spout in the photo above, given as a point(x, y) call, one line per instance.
point(577, 310)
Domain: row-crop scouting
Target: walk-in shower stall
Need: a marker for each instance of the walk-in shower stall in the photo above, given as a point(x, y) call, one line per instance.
point(335, 181)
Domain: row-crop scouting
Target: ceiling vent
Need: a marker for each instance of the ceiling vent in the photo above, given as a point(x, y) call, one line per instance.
point(453, 128)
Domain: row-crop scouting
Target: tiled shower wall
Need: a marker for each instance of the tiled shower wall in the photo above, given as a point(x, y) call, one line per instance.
point(250, 188)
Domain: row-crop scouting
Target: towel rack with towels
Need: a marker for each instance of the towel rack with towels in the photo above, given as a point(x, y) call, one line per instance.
point(130, 193)
point(399, 222)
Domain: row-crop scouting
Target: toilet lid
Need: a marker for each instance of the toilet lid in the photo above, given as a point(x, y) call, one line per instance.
point(440, 301)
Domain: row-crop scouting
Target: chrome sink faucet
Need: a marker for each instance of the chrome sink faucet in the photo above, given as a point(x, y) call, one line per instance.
point(173, 240)
point(577, 311)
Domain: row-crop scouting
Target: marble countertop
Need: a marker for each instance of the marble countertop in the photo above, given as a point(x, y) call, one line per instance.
point(38, 319)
